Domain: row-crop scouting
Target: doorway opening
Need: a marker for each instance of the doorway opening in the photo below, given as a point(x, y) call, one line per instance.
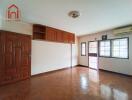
point(93, 54)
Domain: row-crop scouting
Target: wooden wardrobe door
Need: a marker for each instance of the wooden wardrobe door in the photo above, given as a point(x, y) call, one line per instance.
point(10, 56)
point(2, 62)
point(25, 69)
point(15, 59)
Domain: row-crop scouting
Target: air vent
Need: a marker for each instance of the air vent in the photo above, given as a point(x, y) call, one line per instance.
point(122, 31)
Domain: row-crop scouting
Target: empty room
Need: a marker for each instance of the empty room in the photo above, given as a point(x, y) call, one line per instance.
point(65, 50)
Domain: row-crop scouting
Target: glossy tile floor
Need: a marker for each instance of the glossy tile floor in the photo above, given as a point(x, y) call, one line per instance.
point(71, 84)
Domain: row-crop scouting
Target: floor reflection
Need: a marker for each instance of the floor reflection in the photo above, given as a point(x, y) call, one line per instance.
point(72, 84)
point(109, 93)
point(91, 81)
point(119, 95)
point(84, 82)
point(93, 75)
point(106, 92)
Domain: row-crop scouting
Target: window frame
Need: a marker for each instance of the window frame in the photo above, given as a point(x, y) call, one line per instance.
point(99, 48)
point(81, 48)
point(127, 49)
point(112, 47)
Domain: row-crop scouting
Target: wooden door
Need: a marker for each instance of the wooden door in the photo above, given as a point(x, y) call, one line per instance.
point(11, 54)
point(15, 59)
point(2, 52)
point(25, 69)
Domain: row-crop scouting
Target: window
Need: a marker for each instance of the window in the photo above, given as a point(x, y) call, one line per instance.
point(104, 48)
point(83, 49)
point(120, 48)
point(116, 48)
point(93, 47)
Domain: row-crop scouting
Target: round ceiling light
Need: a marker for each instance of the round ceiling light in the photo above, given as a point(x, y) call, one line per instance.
point(74, 14)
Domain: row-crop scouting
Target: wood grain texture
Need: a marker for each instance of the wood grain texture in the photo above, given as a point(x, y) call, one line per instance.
point(77, 83)
point(15, 57)
point(46, 33)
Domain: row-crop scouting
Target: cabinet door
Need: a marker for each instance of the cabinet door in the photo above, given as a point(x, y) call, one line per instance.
point(50, 34)
point(10, 56)
point(65, 37)
point(25, 69)
point(15, 59)
point(71, 38)
point(59, 36)
point(2, 52)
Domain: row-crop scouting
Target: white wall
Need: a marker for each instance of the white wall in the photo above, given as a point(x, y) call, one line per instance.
point(0, 24)
point(16, 26)
point(46, 56)
point(75, 53)
point(0, 21)
point(111, 64)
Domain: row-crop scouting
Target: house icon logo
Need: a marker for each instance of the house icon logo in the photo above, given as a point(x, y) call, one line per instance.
point(13, 13)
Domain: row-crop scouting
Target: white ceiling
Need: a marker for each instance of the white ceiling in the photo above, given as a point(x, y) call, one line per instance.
point(96, 15)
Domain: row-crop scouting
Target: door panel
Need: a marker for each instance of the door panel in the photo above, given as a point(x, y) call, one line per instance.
point(2, 52)
point(26, 57)
point(11, 58)
point(93, 47)
point(9, 48)
point(15, 59)
point(65, 37)
point(93, 62)
point(50, 34)
point(26, 51)
point(18, 58)
point(71, 38)
point(93, 55)
point(59, 36)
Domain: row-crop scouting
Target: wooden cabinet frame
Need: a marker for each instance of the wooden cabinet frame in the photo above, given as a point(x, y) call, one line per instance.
point(46, 33)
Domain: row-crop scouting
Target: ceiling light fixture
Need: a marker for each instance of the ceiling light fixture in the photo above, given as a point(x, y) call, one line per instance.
point(74, 14)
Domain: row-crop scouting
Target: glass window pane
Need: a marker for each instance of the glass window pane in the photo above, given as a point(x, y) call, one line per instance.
point(123, 42)
point(102, 44)
point(105, 48)
point(93, 44)
point(116, 42)
point(120, 48)
point(92, 50)
point(83, 49)
point(93, 62)
point(123, 54)
point(93, 47)
point(107, 44)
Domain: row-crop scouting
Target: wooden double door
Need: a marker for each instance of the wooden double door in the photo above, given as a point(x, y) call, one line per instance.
point(15, 57)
